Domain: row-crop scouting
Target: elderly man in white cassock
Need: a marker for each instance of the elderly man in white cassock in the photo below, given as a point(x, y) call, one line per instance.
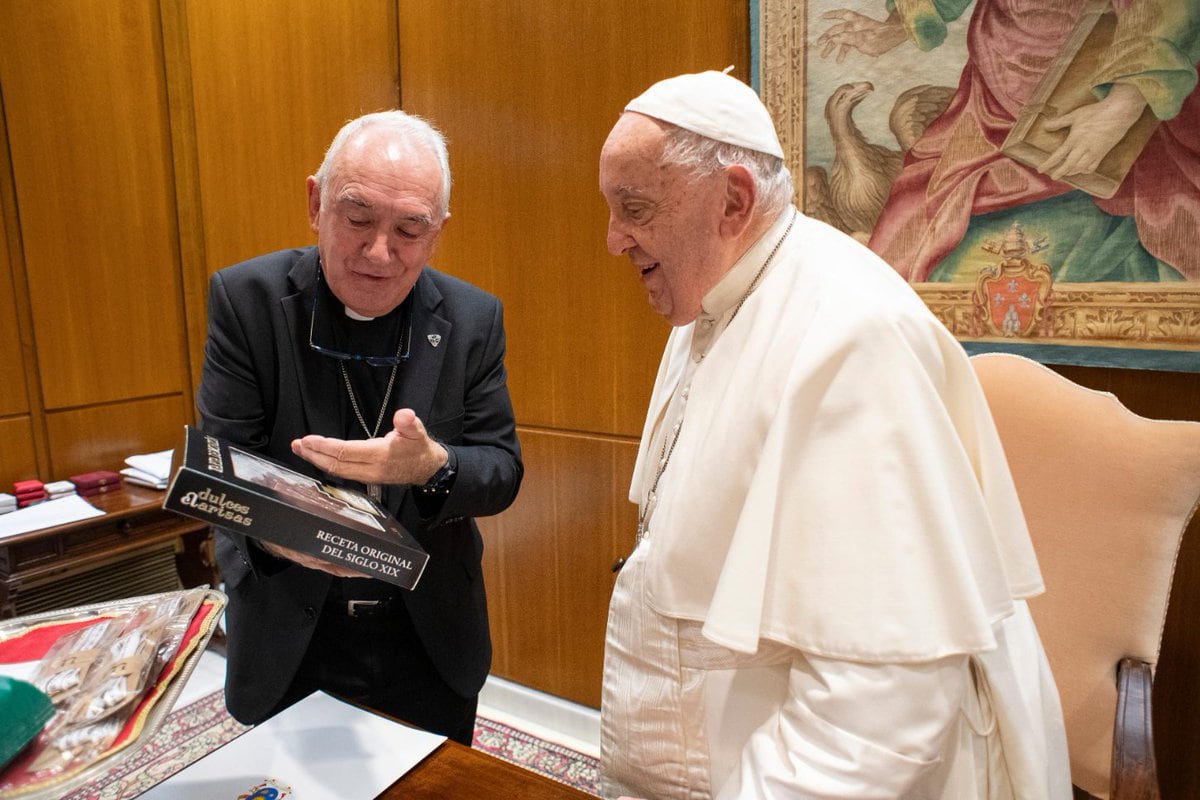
point(827, 595)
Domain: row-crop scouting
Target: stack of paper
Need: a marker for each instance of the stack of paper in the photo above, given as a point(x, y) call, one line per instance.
point(149, 469)
point(8, 502)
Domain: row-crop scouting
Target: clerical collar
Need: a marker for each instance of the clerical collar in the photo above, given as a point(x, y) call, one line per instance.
point(733, 285)
point(351, 333)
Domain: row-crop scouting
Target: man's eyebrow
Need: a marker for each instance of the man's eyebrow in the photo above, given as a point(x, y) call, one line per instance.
point(629, 193)
point(357, 201)
point(352, 199)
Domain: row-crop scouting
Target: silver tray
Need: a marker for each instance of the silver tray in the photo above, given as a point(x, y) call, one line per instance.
point(57, 788)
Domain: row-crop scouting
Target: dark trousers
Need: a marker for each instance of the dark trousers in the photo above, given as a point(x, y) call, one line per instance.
point(378, 661)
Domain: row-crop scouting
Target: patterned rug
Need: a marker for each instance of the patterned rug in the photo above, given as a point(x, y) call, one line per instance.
point(553, 760)
point(194, 730)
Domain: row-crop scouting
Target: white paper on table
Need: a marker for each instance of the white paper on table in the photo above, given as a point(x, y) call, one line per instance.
point(318, 748)
point(47, 514)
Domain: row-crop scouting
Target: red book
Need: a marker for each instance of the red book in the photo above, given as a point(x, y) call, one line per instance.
point(95, 490)
point(24, 487)
point(33, 501)
point(29, 494)
point(88, 480)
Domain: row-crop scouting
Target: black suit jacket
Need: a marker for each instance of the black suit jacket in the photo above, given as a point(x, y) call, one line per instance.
point(262, 386)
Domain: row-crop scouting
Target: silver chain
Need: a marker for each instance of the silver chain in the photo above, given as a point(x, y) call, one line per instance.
point(371, 434)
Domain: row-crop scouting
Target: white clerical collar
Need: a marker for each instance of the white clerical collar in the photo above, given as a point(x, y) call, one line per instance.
point(354, 315)
point(734, 284)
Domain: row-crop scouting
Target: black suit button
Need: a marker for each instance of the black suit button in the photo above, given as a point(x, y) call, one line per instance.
point(310, 613)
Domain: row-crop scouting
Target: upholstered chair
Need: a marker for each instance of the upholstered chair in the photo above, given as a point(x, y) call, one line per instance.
point(1107, 495)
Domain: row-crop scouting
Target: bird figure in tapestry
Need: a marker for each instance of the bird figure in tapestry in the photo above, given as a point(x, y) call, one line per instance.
point(851, 196)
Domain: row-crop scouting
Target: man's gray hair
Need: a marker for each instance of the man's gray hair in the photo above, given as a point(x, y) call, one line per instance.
point(703, 156)
point(411, 129)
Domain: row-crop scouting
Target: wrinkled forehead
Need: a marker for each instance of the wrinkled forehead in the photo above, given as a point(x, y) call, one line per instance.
point(632, 165)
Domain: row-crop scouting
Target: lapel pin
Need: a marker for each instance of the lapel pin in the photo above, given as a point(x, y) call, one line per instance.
point(434, 339)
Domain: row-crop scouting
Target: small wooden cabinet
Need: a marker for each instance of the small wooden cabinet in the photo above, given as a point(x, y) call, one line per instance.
point(136, 548)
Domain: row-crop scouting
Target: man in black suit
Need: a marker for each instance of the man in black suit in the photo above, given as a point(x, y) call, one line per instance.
point(356, 363)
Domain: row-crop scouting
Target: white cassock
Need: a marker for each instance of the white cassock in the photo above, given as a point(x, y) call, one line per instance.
point(829, 600)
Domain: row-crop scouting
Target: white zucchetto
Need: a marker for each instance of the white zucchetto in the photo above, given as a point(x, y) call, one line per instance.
point(712, 104)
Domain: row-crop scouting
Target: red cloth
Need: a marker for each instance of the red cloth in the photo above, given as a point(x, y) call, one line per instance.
point(35, 642)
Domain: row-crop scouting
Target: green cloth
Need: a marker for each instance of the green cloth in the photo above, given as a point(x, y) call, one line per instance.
point(1082, 244)
point(24, 709)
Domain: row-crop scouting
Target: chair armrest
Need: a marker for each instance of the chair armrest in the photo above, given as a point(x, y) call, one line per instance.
point(1134, 776)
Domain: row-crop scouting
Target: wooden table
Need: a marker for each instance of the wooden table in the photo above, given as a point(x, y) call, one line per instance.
point(455, 771)
point(105, 558)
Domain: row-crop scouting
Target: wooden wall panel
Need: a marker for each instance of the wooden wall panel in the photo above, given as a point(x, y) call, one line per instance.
point(1176, 704)
point(262, 89)
point(517, 560)
point(273, 80)
point(86, 117)
point(548, 561)
point(20, 445)
point(18, 461)
point(13, 399)
point(526, 98)
point(102, 436)
point(526, 94)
